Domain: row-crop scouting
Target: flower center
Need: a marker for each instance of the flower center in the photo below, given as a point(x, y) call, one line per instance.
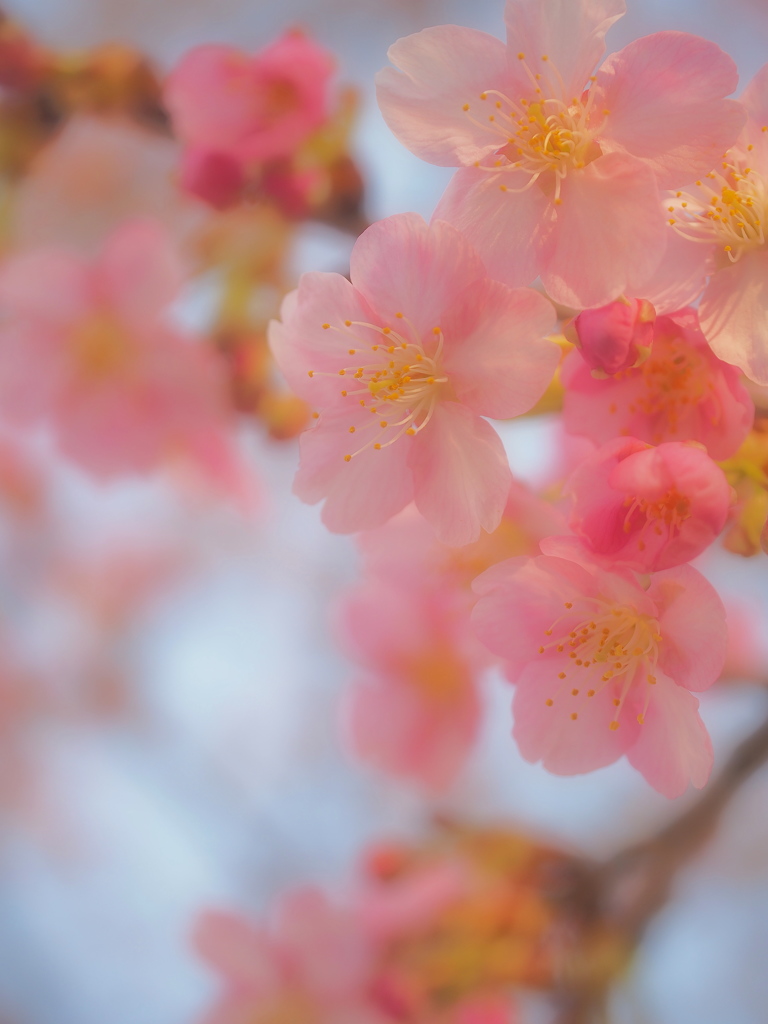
point(398, 379)
point(669, 512)
point(544, 132)
point(100, 347)
point(728, 208)
point(613, 650)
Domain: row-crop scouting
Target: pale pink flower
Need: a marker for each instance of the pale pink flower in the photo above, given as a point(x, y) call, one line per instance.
point(85, 346)
point(310, 965)
point(415, 710)
point(250, 107)
point(649, 508)
point(403, 363)
point(682, 392)
point(560, 167)
point(726, 212)
point(604, 668)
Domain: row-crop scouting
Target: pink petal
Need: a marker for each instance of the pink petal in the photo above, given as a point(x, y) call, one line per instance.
point(755, 99)
point(403, 265)
point(680, 277)
point(673, 746)
point(693, 626)
point(496, 355)
point(508, 229)
point(236, 949)
point(549, 734)
point(440, 70)
point(664, 94)
point(360, 494)
point(570, 32)
point(49, 286)
point(139, 273)
point(460, 473)
point(734, 315)
point(300, 343)
point(588, 261)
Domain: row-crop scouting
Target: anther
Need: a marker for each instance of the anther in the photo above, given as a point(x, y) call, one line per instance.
point(326, 327)
point(613, 726)
point(549, 702)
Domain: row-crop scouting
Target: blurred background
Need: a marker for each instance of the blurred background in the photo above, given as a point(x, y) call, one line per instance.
point(192, 754)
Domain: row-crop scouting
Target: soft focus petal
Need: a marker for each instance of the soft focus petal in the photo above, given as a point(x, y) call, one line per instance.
point(500, 363)
point(665, 95)
point(673, 747)
point(588, 261)
point(734, 315)
point(461, 474)
point(65, 278)
point(508, 229)
point(440, 70)
point(237, 950)
point(403, 265)
point(139, 273)
point(570, 32)
point(680, 277)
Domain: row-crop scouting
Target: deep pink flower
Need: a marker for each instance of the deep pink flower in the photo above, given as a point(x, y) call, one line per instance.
point(649, 508)
point(726, 212)
point(559, 169)
point(617, 336)
point(403, 363)
point(682, 392)
point(254, 108)
point(605, 668)
point(85, 347)
point(309, 966)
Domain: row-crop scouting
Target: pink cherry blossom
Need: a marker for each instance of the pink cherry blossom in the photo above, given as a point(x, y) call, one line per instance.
point(554, 177)
point(649, 508)
point(415, 711)
point(682, 392)
point(402, 364)
point(91, 354)
point(252, 108)
point(617, 336)
point(726, 212)
point(603, 667)
point(310, 965)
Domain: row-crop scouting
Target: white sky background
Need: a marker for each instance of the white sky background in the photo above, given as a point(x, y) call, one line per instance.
point(239, 788)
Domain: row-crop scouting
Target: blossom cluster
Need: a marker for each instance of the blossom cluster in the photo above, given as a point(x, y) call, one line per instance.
point(629, 189)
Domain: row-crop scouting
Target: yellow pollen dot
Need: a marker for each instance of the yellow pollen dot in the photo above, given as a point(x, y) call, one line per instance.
point(613, 726)
point(347, 458)
point(606, 112)
point(616, 702)
point(351, 430)
point(652, 679)
point(547, 632)
point(347, 323)
point(607, 676)
point(386, 330)
point(410, 431)
point(351, 351)
point(465, 107)
point(544, 57)
point(561, 675)
point(574, 716)
point(641, 719)
point(574, 693)
point(483, 95)
point(326, 327)
point(343, 394)
point(502, 188)
point(315, 415)
point(672, 220)
point(435, 330)
point(541, 650)
point(342, 372)
point(383, 423)
point(377, 447)
point(558, 202)
point(590, 693)
point(310, 373)
point(549, 702)
point(569, 604)
point(399, 316)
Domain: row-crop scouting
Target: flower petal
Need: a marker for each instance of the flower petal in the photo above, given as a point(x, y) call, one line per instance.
point(139, 272)
point(588, 261)
point(496, 354)
point(734, 315)
point(570, 32)
point(673, 746)
point(461, 474)
point(404, 265)
point(664, 94)
point(508, 229)
point(440, 70)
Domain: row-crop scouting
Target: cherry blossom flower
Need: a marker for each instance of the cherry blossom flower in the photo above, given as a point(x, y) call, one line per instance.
point(555, 177)
point(92, 355)
point(649, 508)
point(727, 211)
point(682, 392)
point(310, 965)
point(603, 667)
point(234, 111)
point(617, 336)
point(402, 364)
